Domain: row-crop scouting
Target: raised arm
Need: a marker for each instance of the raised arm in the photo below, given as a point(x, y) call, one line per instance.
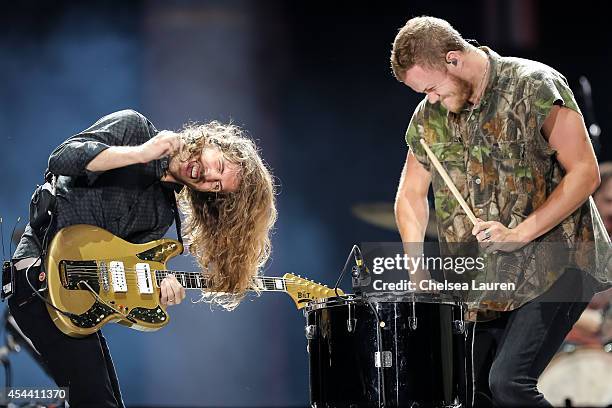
point(116, 140)
point(163, 144)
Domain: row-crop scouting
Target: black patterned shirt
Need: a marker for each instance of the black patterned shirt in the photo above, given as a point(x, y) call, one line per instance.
point(130, 202)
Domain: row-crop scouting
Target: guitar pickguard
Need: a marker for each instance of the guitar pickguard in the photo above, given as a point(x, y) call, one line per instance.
point(99, 311)
point(153, 316)
point(158, 253)
point(93, 316)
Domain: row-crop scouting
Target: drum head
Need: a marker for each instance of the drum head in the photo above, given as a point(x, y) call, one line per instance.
point(584, 376)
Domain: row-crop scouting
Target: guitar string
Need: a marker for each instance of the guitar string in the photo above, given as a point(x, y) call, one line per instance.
point(94, 270)
point(200, 287)
point(132, 280)
point(191, 285)
point(189, 275)
point(189, 279)
point(267, 283)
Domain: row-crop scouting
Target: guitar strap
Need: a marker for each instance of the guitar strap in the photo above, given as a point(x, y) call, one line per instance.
point(177, 217)
point(50, 209)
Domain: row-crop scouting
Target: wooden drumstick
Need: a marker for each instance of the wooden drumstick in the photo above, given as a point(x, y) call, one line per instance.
point(449, 182)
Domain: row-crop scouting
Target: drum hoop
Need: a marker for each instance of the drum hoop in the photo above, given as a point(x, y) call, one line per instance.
point(329, 302)
point(435, 298)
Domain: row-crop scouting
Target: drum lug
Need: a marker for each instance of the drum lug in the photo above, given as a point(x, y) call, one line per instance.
point(412, 320)
point(310, 331)
point(412, 323)
point(458, 326)
point(351, 321)
point(383, 359)
point(350, 325)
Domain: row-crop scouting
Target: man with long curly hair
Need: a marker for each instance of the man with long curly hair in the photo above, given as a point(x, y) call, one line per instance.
point(123, 175)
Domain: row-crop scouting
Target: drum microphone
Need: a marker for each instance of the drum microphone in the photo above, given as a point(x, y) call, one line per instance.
point(360, 272)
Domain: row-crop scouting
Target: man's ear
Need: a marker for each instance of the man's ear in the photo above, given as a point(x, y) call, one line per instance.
point(452, 58)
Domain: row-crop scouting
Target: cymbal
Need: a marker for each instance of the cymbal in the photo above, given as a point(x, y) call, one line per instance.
point(381, 214)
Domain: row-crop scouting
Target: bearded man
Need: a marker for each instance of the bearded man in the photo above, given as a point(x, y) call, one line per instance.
point(122, 175)
point(510, 135)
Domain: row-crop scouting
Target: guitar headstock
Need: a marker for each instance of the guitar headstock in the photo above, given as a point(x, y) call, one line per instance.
point(303, 290)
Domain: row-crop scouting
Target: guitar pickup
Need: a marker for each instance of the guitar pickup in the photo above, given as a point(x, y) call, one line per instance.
point(117, 272)
point(143, 273)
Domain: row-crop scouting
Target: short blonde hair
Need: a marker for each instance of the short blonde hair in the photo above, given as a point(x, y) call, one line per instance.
point(424, 41)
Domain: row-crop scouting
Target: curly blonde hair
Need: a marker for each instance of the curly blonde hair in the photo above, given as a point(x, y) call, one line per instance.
point(229, 233)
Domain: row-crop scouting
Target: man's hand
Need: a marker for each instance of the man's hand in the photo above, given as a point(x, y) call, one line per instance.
point(165, 143)
point(494, 236)
point(172, 292)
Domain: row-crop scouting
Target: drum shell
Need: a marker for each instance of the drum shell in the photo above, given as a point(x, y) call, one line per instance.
point(424, 364)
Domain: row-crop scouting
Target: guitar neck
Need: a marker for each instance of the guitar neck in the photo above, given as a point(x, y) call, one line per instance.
point(196, 280)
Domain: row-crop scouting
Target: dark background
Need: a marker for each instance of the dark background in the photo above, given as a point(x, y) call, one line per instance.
point(311, 82)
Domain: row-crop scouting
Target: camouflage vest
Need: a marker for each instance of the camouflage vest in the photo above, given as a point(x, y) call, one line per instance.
point(505, 169)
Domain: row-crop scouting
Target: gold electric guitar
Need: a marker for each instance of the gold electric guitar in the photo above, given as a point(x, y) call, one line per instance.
point(99, 278)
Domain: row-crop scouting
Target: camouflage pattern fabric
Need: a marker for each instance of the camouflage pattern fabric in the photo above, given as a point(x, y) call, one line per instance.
point(505, 169)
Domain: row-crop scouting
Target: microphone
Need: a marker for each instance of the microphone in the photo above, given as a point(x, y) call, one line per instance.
point(360, 272)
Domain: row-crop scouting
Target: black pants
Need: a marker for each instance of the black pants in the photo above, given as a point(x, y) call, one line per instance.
point(84, 365)
point(511, 352)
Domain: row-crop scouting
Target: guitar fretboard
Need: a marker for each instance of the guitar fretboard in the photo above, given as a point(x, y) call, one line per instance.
point(189, 280)
point(195, 280)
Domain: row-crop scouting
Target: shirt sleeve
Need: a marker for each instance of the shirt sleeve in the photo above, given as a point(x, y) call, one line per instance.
point(415, 133)
point(550, 89)
point(123, 128)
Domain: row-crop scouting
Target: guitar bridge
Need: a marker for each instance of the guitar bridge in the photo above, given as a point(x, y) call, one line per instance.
point(103, 276)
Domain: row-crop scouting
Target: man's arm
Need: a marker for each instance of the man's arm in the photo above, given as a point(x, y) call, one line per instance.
point(116, 140)
point(412, 210)
point(411, 206)
point(164, 144)
point(566, 133)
